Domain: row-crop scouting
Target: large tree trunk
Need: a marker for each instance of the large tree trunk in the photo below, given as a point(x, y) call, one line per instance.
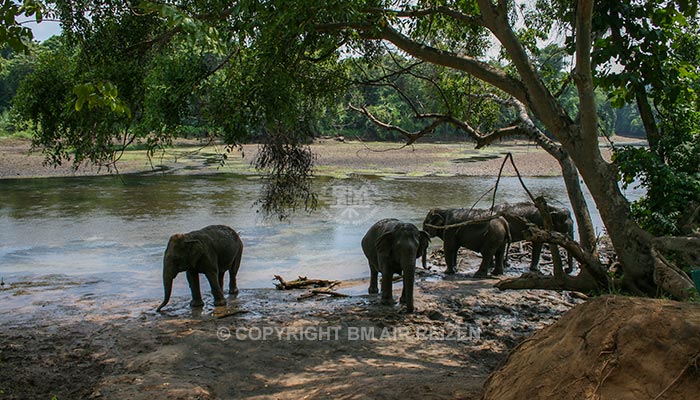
point(632, 244)
point(578, 203)
point(578, 138)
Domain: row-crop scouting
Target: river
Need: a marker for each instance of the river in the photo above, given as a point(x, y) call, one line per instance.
point(97, 237)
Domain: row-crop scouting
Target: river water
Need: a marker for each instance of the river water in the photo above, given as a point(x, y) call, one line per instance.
point(99, 237)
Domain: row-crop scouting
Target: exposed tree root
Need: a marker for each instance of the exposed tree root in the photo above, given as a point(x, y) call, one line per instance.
point(538, 281)
point(670, 278)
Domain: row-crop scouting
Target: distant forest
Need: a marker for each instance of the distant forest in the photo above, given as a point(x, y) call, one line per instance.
point(394, 99)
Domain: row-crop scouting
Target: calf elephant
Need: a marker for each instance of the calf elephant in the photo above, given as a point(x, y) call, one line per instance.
point(519, 214)
point(210, 251)
point(481, 232)
point(392, 246)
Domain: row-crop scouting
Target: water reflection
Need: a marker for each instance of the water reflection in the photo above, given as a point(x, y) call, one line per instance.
point(113, 232)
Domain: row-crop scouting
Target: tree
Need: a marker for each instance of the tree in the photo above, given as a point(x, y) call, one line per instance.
point(658, 56)
point(265, 65)
point(12, 31)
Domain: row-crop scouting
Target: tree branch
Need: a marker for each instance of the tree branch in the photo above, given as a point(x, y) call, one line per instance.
point(583, 76)
point(587, 260)
point(444, 10)
point(478, 69)
point(411, 136)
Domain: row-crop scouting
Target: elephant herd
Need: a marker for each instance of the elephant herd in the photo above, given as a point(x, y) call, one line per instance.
point(391, 247)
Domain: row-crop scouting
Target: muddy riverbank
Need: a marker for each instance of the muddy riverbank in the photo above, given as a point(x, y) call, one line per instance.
point(338, 159)
point(269, 344)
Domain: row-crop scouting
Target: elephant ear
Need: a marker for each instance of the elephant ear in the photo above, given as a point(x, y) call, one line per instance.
point(436, 218)
point(194, 250)
point(424, 239)
point(384, 243)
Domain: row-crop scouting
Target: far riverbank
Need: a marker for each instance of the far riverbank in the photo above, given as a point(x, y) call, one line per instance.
point(334, 158)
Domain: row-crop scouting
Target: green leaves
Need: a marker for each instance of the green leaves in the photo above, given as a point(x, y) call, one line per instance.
point(12, 32)
point(198, 32)
point(100, 95)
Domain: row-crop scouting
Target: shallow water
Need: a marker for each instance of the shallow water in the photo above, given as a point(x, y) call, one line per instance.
point(104, 237)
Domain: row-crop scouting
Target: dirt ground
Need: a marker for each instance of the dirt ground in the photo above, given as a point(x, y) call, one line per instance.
point(339, 159)
point(268, 344)
point(624, 348)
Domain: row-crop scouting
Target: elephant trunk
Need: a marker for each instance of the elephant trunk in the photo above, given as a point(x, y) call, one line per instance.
point(168, 287)
point(424, 258)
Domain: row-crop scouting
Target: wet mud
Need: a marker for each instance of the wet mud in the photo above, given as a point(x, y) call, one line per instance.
point(267, 343)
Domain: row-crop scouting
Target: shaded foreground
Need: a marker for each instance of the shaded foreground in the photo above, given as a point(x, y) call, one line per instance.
point(316, 348)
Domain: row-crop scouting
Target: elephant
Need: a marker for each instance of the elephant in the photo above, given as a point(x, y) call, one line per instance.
point(212, 251)
point(519, 214)
point(485, 233)
point(392, 246)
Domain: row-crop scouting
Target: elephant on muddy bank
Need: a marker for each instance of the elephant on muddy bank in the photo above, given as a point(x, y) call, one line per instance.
point(211, 251)
point(479, 231)
point(519, 214)
point(392, 247)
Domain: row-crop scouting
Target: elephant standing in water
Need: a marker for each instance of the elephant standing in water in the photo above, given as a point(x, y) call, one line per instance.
point(392, 246)
point(211, 251)
point(482, 232)
point(519, 214)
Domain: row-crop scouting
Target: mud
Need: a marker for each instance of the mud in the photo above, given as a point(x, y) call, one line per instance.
point(267, 344)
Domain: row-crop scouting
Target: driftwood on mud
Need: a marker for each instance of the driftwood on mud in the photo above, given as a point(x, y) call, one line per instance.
point(303, 283)
point(317, 286)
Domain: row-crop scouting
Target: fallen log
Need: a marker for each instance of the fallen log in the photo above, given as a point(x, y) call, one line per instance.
point(303, 283)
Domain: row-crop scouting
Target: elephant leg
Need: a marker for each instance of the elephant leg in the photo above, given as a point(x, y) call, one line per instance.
point(373, 275)
point(506, 261)
point(500, 261)
point(233, 273)
point(407, 292)
point(387, 296)
point(483, 270)
point(216, 291)
point(536, 251)
point(570, 264)
point(193, 280)
point(450, 250)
